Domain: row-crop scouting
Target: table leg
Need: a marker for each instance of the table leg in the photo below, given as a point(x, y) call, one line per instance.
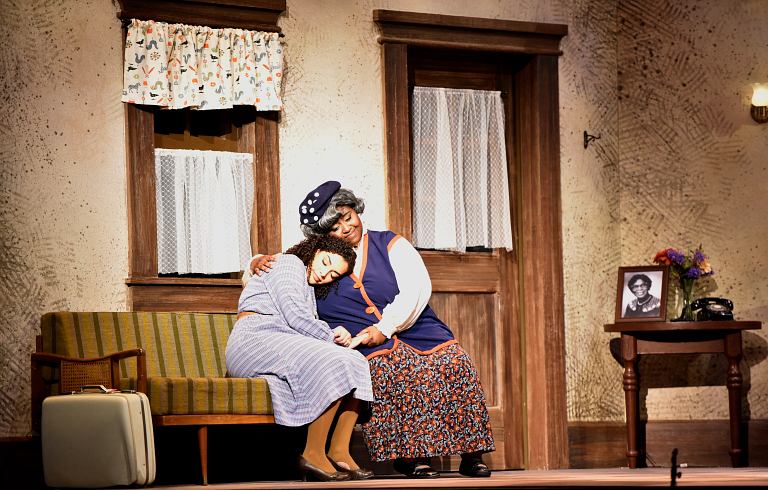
point(631, 385)
point(734, 382)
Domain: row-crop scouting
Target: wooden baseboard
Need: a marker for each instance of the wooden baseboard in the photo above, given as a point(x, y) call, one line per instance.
point(700, 443)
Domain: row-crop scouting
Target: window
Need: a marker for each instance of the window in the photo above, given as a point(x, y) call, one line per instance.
point(460, 184)
point(241, 128)
point(204, 205)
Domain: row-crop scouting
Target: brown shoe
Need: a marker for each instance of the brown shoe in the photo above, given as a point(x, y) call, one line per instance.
point(358, 474)
point(306, 467)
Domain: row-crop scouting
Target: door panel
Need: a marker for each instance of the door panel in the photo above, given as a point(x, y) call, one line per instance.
point(476, 293)
point(472, 318)
point(467, 294)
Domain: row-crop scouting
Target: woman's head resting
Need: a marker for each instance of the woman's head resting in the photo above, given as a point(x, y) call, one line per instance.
point(326, 267)
point(332, 210)
point(327, 259)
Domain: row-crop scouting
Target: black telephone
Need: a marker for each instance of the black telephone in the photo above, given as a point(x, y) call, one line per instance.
point(718, 309)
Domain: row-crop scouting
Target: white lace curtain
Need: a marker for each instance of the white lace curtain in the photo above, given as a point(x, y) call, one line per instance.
point(177, 66)
point(460, 186)
point(204, 208)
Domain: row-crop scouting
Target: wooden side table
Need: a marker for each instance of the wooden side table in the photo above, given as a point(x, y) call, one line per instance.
point(681, 338)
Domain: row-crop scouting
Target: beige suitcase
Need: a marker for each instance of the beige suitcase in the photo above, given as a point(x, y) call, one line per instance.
point(96, 440)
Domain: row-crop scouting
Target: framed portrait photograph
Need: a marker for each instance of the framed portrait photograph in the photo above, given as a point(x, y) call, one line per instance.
point(642, 294)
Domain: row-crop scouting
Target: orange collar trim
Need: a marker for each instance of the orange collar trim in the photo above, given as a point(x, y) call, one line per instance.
point(359, 281)
point(365, 258)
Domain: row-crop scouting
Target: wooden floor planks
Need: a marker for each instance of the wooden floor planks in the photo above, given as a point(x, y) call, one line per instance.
point(608, 478)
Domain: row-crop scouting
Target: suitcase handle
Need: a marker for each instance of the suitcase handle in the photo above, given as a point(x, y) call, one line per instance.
point(94, 389)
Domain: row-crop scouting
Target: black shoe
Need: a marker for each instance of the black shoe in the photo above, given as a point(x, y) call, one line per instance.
point(415, 469)
point(475, 468)
point(307, 467)
point(358, 474)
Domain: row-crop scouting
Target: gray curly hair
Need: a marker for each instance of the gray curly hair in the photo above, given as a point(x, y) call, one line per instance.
point(342, 197)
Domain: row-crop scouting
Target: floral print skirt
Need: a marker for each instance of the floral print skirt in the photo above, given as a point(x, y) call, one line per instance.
point(426, 405)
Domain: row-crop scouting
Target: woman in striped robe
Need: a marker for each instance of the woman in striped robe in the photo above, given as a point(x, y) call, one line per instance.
point(312, 374)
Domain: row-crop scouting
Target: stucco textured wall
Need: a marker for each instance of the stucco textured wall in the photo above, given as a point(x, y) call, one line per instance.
point(671, 168)
point(693, 170)
point(63, 224)
point(684, 165)
point(590, 195)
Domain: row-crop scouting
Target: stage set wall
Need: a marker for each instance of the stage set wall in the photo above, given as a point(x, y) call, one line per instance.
point(663, 83)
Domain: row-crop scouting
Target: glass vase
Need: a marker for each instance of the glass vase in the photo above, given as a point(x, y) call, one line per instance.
point(686, 287)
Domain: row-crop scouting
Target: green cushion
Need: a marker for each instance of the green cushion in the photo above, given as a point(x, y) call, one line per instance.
point(202, 396)
point(186, 369)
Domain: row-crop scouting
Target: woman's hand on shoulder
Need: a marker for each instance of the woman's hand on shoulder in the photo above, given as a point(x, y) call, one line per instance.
point(262, 263)
point(374, 337)
point(341, 336)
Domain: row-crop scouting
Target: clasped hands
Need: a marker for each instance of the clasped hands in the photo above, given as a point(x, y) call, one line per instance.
point(370, 337)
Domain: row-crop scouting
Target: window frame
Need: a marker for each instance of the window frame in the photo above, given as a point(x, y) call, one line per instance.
point(258, 136)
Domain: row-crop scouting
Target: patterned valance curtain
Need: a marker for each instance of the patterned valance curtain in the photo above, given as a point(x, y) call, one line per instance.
point(177, 66)
point(460, 185)
point(204, 208)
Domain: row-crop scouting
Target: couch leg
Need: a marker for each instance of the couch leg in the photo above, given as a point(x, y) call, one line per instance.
point(202, 441)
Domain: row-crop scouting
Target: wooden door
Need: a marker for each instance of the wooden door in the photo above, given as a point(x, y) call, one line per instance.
point(475, 293)
point(523, 57)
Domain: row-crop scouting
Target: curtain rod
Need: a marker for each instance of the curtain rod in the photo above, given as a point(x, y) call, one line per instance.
point(126, 22)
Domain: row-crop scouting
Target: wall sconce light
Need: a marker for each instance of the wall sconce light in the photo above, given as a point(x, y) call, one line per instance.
point(759, 110)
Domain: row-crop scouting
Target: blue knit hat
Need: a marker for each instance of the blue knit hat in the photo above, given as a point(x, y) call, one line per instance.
point(314, 205)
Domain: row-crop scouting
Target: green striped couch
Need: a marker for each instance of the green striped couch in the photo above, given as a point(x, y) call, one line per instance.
point(187, 382)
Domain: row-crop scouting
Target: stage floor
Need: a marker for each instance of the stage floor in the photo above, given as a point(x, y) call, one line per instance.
point(609, 478)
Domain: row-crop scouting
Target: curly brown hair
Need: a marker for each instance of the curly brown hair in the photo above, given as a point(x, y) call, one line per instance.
point(306, 250)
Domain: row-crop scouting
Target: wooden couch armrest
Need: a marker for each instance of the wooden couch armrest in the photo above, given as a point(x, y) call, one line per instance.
point(54, 360)
point(40, 359)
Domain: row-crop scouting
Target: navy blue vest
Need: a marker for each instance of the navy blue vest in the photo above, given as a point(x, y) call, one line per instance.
point(358, 304)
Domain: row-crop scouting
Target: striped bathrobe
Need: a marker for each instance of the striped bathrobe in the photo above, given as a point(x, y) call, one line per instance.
point(289, 347)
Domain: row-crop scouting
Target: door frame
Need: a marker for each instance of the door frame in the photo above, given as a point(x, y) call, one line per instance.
point(536, 424)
